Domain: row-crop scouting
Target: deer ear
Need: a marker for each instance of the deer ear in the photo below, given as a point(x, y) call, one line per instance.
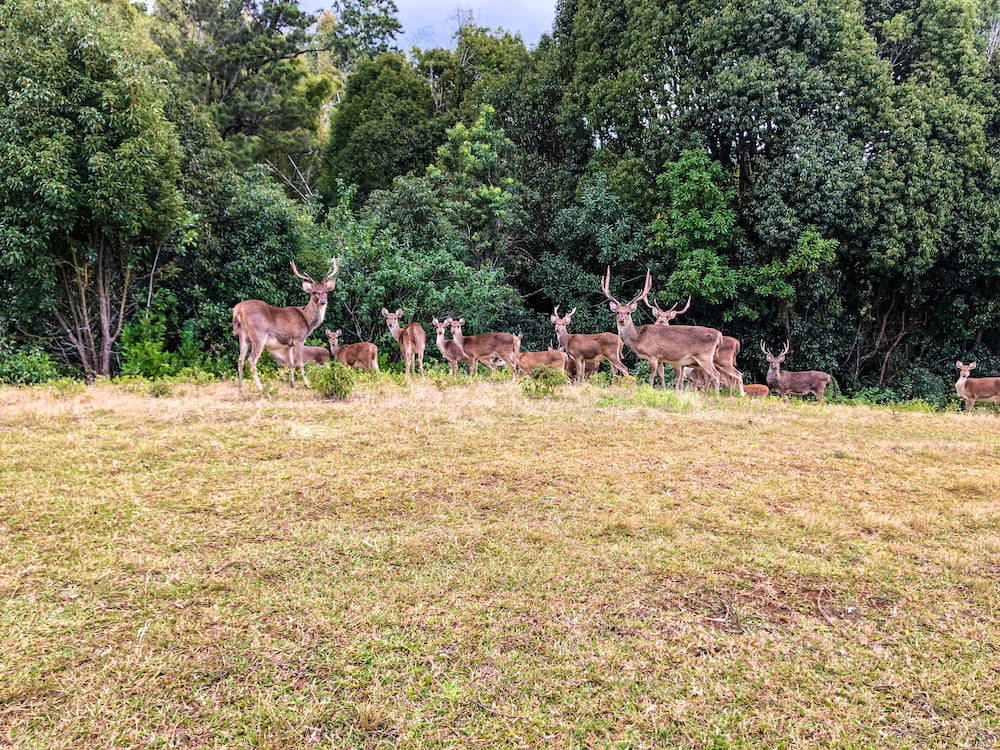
point(552, 318)
point(385, 313)
point(613, 306)
point(959, 364)
point(461, 321)
point(399, 312)
point(307, 286)
point(337, 334)
point(972, 365)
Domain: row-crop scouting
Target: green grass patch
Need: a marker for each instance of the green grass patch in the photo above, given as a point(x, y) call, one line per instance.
point(425, 567)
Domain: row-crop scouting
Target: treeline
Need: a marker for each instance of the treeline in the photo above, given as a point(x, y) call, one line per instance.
point(821, 172)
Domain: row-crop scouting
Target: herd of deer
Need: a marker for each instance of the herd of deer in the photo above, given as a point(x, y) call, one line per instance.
point(696, 353)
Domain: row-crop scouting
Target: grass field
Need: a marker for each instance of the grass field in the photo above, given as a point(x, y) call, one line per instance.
point(429, 567)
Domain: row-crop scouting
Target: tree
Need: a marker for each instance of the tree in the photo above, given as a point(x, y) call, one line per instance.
point(88, 168)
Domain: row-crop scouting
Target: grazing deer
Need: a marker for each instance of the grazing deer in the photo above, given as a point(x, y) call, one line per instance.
point(786, 383)
point(676, 346)
point(528, 362)
point(260, 326)
point(975, 389)
point(755, 390)
point(361, 356)
point(484, 347)
point(449, 348)
point(313, 355)
point(725, 357)
point(411, 339)
point(587, 349)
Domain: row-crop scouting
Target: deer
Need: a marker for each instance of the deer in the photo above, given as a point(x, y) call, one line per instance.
point(260, 326)
point(786, 383)
point(411, 339)
point(450, 350)
point(585, 349)
point(313, 355)
point(528, 362)
point(756, 390)
point(725, 358)
point(485, 346)
point(676, 346)
point(975, 389)
point(361, 356)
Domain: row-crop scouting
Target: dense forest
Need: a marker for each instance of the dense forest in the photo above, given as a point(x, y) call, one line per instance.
point(824, 172)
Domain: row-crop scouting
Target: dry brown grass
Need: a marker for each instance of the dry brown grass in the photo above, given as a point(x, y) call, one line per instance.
point(466, 567)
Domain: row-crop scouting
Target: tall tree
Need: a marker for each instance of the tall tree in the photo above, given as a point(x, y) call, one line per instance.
point(88, 169)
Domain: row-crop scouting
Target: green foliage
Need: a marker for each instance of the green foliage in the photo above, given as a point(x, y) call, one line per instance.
point(333, 380)
point(543, 382)
point(89, 167)
point(26, 365)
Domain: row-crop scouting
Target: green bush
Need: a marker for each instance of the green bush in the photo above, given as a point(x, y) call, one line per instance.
point(27, 365)
point(544, 381)
point(332, 380)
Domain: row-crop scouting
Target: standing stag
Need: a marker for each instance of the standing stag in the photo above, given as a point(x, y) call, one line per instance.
point(485, 346)
point(586, 349)
point(975, 389)
point(725, 357)
point(786, 383)
point(361, 356)
point(260, 326)
point(676, 346)
point(411, 339)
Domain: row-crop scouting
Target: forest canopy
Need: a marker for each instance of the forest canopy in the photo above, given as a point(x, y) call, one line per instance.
point(819, 172)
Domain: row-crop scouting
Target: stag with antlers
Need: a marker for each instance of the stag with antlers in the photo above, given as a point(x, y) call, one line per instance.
point(725, 358)
point(260, 326)
point(677, 346)
point(786, 383)
point(585, 349)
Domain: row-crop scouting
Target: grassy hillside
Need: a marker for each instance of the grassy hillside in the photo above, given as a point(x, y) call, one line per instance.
point(467, 567)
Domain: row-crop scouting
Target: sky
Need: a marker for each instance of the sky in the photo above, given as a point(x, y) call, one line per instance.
point(431, 23)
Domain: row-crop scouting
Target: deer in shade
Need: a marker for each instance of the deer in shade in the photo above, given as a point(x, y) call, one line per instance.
point(786, 383)
point(975, 389)
point(260, 326)
point(361, 356)
point(411, 339)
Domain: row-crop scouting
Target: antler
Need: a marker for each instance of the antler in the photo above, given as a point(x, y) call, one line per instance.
point(681, 312)
point(785, 350)
point(302, 276)
point(555, 312)
point(606, 284)
point(310, 279)
point(764, 349)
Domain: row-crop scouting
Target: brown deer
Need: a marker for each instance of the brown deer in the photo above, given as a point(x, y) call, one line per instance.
point(786, 383)
point(528, 362)
point(449, 348)
point(484, 347)
point(313, 355)
point(756, 390)
point(676, 346)
point(361, 356)
point(411, 339)
point(586, 349)
point(725, 358)
point(975, 389)
point(260, 326)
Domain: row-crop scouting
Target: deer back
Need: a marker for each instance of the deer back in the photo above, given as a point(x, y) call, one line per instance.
point(676, 345)
point(531, 360)
point(362, 355)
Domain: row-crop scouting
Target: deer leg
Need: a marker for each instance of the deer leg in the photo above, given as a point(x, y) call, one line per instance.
point(244, 348)
point(254, 356)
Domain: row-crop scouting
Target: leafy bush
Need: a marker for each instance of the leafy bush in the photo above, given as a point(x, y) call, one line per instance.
point(27, 365)
point(332, 380)
point(544, 381)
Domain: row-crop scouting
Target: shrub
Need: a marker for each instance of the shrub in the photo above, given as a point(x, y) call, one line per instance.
point(544, 381)
point(26, 366)
point(332, 380)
